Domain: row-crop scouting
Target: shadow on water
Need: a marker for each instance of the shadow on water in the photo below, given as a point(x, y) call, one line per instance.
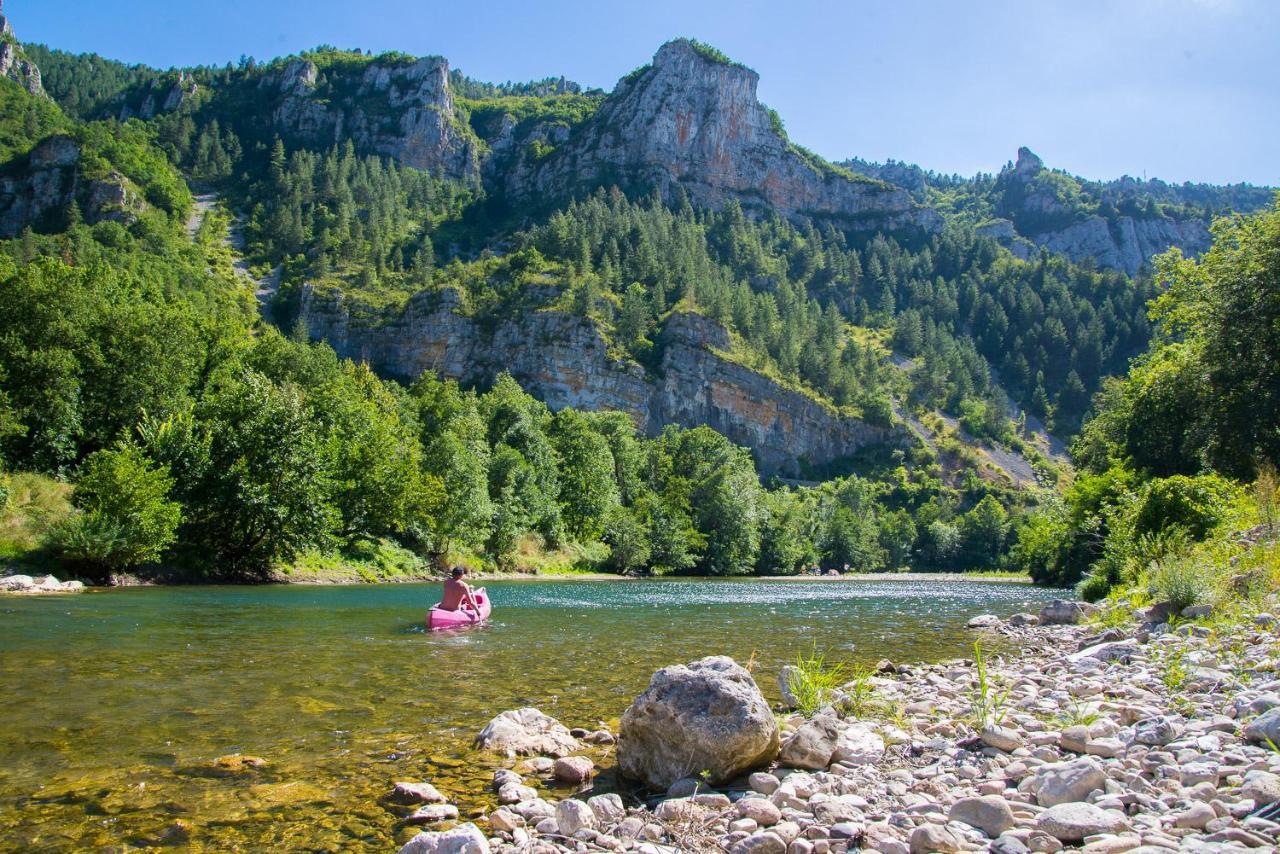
point(118, 703)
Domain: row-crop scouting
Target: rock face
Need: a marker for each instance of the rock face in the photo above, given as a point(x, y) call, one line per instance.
point(41, 193)
point(708, 716)
point(399, 109)
point(692, 121)
point(1034, 199)
point(15, 65)
point(527, 731)
point(564, 361)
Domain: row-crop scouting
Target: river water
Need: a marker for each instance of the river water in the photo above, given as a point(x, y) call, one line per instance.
point(116, 704)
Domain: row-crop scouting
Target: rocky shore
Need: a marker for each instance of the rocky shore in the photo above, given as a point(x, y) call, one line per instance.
point(1139, 732)
point(26, 584)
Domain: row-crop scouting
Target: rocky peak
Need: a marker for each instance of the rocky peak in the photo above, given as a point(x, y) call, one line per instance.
point(691, 120)
point(398, 110)
point(1028, 163)
point(162, 96)
point(14, 63)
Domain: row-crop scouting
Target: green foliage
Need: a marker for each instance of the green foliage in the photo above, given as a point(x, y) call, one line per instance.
point(814, 681)
point(1196, 505)
point(128, 518)
point(1181, 580)
point(1208, 390)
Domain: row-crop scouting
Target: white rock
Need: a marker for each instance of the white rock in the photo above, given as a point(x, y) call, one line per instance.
point(463, 839)
point(574, 815)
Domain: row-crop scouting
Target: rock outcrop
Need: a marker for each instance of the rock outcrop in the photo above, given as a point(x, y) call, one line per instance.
point(398, 109)
point(707, 718)
point(1038, 202)
point(564, 361)
point(162, 96)
point(692, 121)
point(41, 193)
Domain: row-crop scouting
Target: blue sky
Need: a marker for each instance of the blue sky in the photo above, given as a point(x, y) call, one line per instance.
point(1177, 89)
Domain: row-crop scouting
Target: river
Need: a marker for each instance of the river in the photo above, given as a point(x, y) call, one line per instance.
point(117, 703)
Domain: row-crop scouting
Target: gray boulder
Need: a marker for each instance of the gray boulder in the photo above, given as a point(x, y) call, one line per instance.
point(1265, 727)
point(813, 745)
point(933, 838)
point(527, 731)
point(1261, 787)
point(1065, 782)
point(1157, 731)
point(991, 814)
point(1072, 822)
point(708, 716)
point(1062, 612)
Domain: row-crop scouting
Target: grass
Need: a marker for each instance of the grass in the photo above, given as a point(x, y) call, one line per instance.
point(1182, 579)
point(35, 504)
point(986, 700)
point(1078, 714)
point(362, 561)
point(814, 681)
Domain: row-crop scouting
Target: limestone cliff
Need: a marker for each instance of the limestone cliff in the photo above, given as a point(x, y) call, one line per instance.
point(398, 109)
point(1044, 208)
point(691, 120)
point(563, 360)
point(14, 64)
point(40, 191)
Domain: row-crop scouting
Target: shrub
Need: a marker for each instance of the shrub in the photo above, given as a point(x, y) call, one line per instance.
point(1094, 587)
point(1197, 505)
point(1182, 580)
point(4, 492)
point(90, 539)
point(128, 518)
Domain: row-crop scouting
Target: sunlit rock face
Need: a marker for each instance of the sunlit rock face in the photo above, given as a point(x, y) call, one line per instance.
point(563, 360)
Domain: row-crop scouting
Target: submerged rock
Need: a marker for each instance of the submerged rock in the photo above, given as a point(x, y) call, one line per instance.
point(527, 731)
point(708, 716)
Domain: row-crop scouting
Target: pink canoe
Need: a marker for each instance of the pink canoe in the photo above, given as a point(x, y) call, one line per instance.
point(438, 619)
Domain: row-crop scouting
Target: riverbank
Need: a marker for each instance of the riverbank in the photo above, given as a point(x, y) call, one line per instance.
point(1107, 731)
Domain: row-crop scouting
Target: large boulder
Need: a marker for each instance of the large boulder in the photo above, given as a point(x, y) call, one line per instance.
point(1063, 612)
point(529, 732)
point(708, 716)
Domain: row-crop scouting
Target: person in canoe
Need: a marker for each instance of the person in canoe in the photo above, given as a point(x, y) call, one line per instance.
point(457, 593)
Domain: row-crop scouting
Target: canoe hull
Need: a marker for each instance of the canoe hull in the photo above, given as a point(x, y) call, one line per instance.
point(438, 620)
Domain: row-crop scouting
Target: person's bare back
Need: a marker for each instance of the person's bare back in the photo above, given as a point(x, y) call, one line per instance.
point(458, 593)
point(455, 593)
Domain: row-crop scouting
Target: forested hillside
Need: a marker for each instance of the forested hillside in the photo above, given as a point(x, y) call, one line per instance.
point(205, 440)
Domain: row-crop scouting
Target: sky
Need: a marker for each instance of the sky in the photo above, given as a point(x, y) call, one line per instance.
point(1184, 90)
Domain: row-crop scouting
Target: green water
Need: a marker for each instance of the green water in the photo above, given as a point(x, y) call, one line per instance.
point(115, 704)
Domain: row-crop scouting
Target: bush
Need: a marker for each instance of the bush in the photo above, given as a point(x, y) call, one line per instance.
point(4, 492)
point(1094, 587)
point(128, 518)
point(90, 539)
point(1181, 580)
point(1196, 505)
